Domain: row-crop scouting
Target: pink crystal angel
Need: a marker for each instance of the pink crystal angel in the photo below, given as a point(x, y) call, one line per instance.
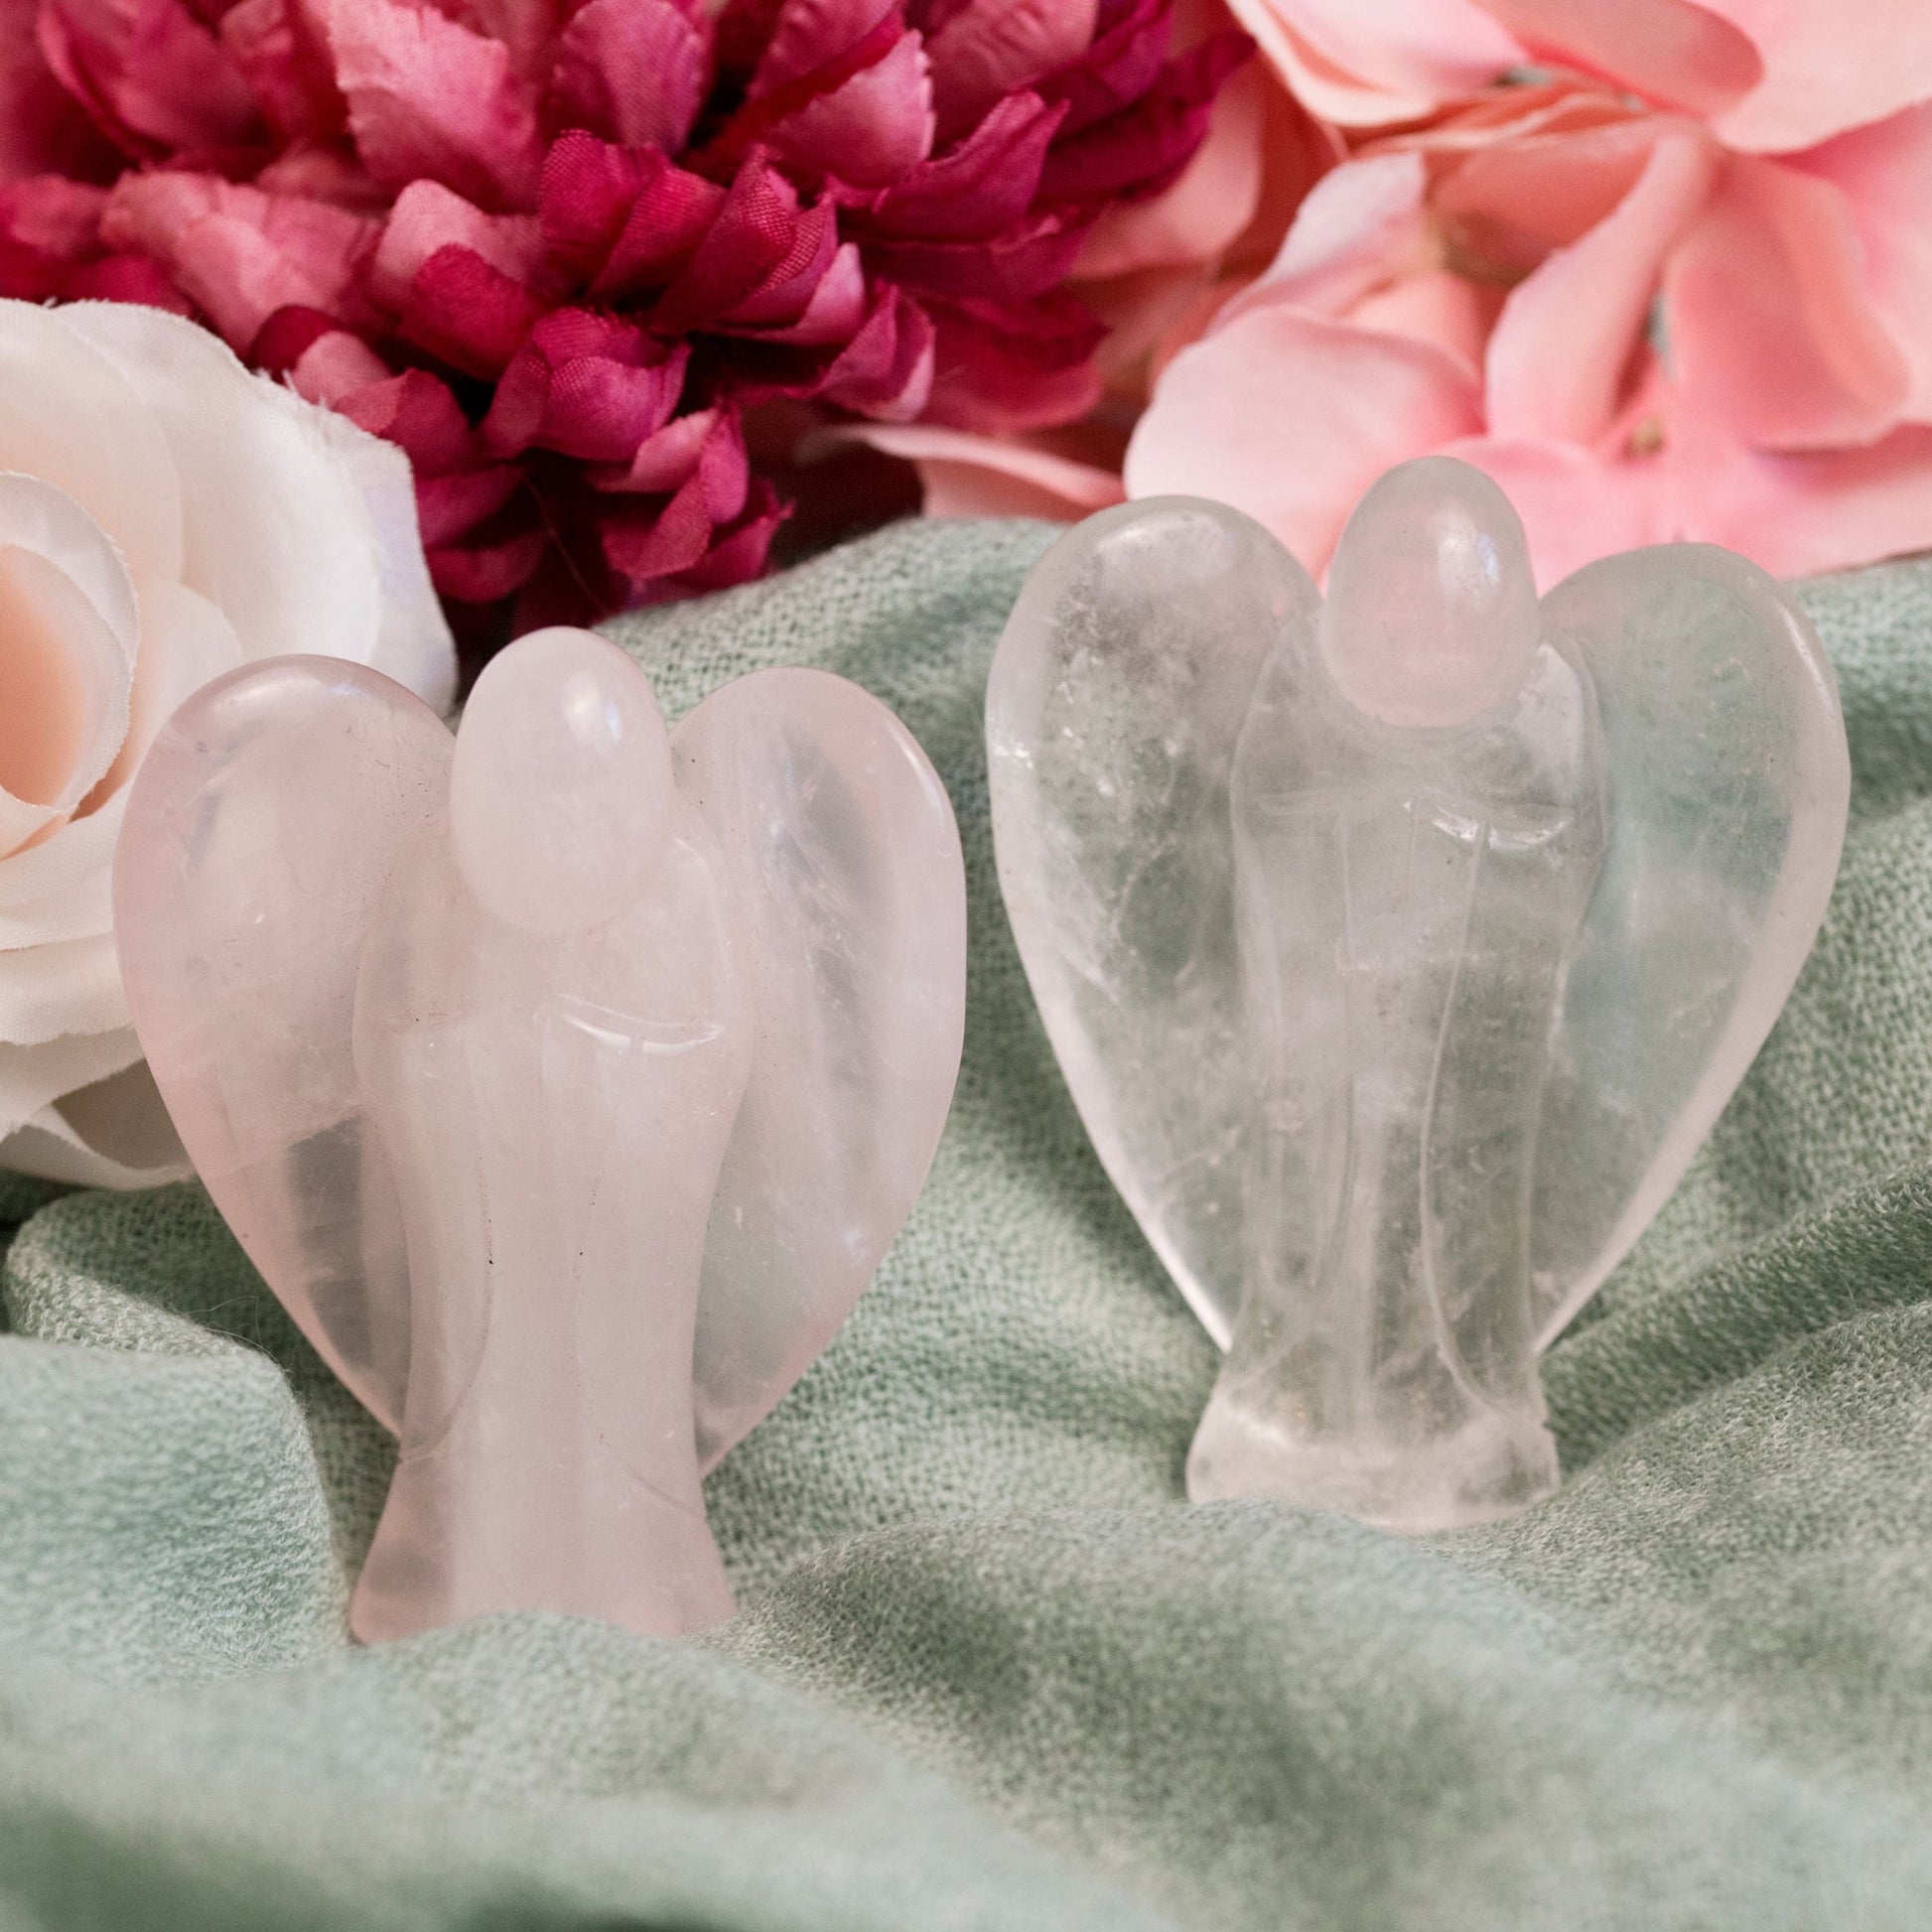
point(566, 1079)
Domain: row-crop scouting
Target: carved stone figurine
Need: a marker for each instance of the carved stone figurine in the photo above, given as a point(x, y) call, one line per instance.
point(566, 1079)
point(1401, 949)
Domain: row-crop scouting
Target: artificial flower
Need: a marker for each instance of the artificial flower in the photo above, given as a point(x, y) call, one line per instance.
point(1644, 335)
point(569, 253)
point(1660, 269)
point(165, 516)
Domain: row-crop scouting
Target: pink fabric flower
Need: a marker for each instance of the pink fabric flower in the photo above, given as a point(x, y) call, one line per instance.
point(568, 252)
point(1643, 334)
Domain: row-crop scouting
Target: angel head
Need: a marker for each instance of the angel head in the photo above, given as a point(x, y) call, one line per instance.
point(566, 1078)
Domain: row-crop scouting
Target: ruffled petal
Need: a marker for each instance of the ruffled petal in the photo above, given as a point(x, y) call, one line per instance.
point(42, 128)
point(985, 49)
point(1792, 514)
point(869, 130)
point(242, 254)
point(1885, 174)
point(427, 217)
point(751, 234)
point(1827, 68)
point(1560, 352)
point(990, 476)
point(70, 416)
point(1212, 201)
point(1680, 53)
point(590, 386)
point(975, 190)
point(1290, 417)
point(1770, 323)
point(299, 527)
point(1143, 147)
point(1373, 62)
point(1014, 365)
point(429, 98)
point(67, 635)
point(111, 1130)
point(1361, 224)
point(150, 71)
point(885, 370)
point(634, 71)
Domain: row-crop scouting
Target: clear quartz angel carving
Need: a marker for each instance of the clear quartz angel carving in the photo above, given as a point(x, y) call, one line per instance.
point(1401, 948)
point(566, 1079)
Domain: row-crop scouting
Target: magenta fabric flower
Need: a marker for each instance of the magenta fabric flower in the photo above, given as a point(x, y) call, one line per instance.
point(571, 257)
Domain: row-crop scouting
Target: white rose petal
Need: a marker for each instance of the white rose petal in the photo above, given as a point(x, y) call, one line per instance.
point(165, 516)
point(72, 419)
point(327, 563)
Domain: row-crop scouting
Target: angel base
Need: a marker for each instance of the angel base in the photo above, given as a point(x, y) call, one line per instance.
point(1496, 1463)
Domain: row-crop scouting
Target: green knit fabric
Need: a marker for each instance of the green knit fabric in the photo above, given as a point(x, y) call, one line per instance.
point(990, 1670)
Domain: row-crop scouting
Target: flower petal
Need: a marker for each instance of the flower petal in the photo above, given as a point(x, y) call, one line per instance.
point(35, 1071)
point(1371, 63)
point(42, 128)
point(634, 71)
point(1143, 146)
point(1682, 53)
point(1557, 356)
point(1885, 174)
point(429, 98)
point(1770, 320)
point(1793, 514)
point(1826, 68)
point(67, 635)
point(809, 36)
point(985, 50)
point(70, 416)
point(1207, 206)
point(869, 130)
point(1508, 204)
point(151, 73)
point(427, 217)
point(753, 234)
point(300, 526)
point(990, 476)
point(240, 253)
point(886, 369)
point(1361, 224)
point(184, 641)
point(1289, 417)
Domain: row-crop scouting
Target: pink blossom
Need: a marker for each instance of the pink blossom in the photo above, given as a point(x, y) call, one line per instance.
point(1644, 335)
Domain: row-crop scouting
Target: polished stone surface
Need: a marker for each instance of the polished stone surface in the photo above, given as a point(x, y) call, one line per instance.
point(1399, 949)
point(567, 1079)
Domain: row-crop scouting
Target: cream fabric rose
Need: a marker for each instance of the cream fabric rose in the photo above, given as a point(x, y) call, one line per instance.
point(164, 516)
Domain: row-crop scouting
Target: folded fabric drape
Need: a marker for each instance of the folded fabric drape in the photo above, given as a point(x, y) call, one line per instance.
point(991, 1671)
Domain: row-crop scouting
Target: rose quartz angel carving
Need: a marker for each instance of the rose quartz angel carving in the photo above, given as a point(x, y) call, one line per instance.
point(566, 1079)
point(1401, 948)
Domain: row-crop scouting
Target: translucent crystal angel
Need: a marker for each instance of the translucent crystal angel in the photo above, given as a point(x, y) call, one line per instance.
point(566, 1079)
point(1401, 949)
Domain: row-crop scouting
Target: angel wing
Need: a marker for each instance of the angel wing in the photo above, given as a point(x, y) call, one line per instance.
point(1728, 780)
point(841, 849)
point(259, 834)
point(1116, 697)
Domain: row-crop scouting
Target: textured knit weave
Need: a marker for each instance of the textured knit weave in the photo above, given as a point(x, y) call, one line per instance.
point(991, 1672)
